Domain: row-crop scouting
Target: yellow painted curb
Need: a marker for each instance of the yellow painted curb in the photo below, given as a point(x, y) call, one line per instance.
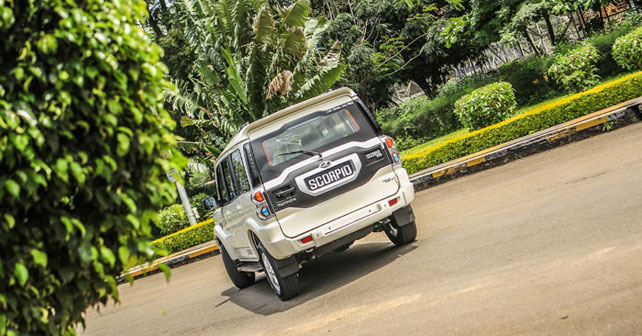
point(590, 124)
point(143, 271)
point(475, 162)
point(203, 251)
point(558, 136)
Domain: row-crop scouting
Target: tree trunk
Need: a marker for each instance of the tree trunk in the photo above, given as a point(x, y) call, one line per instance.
point(419, 79)
point(153, 23)
point(166, 15)
point(598, 7)
point(549, 27)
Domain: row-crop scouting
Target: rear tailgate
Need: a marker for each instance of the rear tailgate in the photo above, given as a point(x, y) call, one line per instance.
point(304, 209)
point(350, 170)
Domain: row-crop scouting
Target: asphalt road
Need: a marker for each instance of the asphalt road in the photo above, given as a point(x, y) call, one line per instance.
point(547, 245)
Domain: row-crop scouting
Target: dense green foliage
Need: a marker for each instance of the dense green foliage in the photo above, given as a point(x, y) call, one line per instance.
point(414, 120)
point(486, 106)
point(189, 237)
point(172, 219)
point(627, 50)
point(84, 144)
point(549, 115)
point(606, 65)
point(387, 42)
point(528, 78)
point(166, 20)
point(529, 13)
point(197, 202)
point(576, 70)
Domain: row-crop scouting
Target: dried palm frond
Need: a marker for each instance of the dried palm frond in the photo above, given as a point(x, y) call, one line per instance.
point(281, 84)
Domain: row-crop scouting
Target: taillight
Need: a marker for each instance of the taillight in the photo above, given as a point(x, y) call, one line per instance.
point(392, 149)
point(262, 208)
point(389, 142)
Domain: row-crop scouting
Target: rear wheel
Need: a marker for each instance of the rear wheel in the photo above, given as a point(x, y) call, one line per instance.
point(239, 279)
point(402, 235)
point(284, 287)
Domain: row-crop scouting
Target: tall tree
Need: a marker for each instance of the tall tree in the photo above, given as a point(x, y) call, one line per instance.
point(418, 40)
point(253, 60)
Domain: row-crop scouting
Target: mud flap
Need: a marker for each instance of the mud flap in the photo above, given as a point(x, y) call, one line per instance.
point(286, 267)
point(402, 217)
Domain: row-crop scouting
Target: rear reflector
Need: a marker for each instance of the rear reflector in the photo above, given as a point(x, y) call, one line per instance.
point(265, 211)
point(306, 240)
point(393, 201)
point(396, 157)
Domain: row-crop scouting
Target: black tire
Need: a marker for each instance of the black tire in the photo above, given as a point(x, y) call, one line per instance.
point(402, 235)
point(239, 279)
point(284, 287)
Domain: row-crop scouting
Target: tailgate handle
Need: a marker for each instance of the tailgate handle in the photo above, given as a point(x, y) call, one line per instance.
point(282, 193)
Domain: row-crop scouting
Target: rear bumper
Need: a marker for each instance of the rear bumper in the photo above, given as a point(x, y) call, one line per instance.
point(281, 247)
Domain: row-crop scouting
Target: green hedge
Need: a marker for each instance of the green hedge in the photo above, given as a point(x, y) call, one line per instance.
point(172, 219)
point(189, 237)
point(577, 69)
point(486, 106)
point(557, 112)
point(627, 50)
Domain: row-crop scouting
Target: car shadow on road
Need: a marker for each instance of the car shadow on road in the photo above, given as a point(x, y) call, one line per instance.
point(318, 277)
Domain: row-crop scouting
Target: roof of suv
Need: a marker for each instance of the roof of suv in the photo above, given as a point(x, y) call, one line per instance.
point(243, 134)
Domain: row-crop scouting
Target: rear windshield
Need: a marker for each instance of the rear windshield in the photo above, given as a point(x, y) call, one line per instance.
point(317, 132)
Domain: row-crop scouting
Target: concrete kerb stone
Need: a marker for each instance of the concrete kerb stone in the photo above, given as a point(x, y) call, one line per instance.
point(581, 128)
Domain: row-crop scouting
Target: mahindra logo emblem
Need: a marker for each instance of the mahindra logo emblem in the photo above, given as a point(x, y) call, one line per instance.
point(325, 164)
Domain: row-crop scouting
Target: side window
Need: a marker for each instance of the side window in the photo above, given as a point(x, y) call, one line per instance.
point(220, 184)
point(252, 169)
point(229, 182)
point(239, 171)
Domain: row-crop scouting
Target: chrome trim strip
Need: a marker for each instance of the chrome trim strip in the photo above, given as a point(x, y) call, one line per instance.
point(351, 223)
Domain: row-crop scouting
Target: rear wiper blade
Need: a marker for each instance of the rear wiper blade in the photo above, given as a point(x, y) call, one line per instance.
point(302, 151)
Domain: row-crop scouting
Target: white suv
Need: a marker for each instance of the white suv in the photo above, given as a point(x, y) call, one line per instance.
point(303, 182)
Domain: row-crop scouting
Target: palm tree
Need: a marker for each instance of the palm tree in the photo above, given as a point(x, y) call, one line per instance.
point(253, 61)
